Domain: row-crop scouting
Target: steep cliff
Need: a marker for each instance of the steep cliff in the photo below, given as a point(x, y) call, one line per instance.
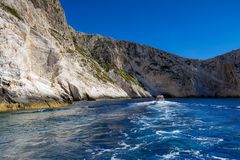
point(41, 62)
point(164, 73)
point(46, 63)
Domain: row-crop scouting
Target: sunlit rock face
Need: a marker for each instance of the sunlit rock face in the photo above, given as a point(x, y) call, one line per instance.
point(168, 74)
point(44, 59)
point(40, 59)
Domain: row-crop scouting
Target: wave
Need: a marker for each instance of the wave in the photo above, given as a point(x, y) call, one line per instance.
point(210, 141)
point(218, 158)
point(171, 155)
point(114, 157)
point(143, 103)
point(124, 145)
point(168, 132)
point(157, 103)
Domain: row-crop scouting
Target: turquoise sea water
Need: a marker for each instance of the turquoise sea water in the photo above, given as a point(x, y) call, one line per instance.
point(125, 129)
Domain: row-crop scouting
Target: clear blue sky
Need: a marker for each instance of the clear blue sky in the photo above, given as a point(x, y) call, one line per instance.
point(197, 29)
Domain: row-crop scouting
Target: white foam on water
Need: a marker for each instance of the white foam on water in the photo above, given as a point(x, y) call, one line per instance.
point(137, 146)
point(125, 134)
point(166, 108)
point(201, 138)
point(144, 124)
point(219, 158)
point(123, 145)
point(143, 103)
point(157, 104)
point(208, 140)
point(196, 154)
point(220, 106)
point(168, 132)
point(103, 151)
point(199, 121)
point(168, 103)
point(171, 155)
point(114, 157)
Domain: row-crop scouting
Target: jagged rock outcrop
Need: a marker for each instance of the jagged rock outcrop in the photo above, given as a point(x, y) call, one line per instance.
point(46, 63)
point(40, 60)
point(168, 74)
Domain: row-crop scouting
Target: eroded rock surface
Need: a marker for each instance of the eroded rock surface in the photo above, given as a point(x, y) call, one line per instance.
point(44, 60)
point(40, 60)
point(168, 74)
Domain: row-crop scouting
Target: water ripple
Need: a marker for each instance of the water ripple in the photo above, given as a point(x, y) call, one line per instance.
point(125, 129)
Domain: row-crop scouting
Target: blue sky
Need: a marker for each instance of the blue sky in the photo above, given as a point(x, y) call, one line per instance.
point(197, 29)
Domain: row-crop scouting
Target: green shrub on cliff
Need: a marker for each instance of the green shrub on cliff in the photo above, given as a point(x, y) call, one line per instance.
point(102, 75)
point(11, 11)
point(120, 72)
point(126, 76)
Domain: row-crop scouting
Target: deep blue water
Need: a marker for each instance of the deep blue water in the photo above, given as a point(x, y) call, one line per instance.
point(126, 129)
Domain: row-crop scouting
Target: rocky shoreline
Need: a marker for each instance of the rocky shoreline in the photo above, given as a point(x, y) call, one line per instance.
point(42, 104)
point(11, 107)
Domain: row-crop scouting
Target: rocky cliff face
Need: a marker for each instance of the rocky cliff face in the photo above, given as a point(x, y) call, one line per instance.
point(44, 61)
point(164, 73)
point(40, 60)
